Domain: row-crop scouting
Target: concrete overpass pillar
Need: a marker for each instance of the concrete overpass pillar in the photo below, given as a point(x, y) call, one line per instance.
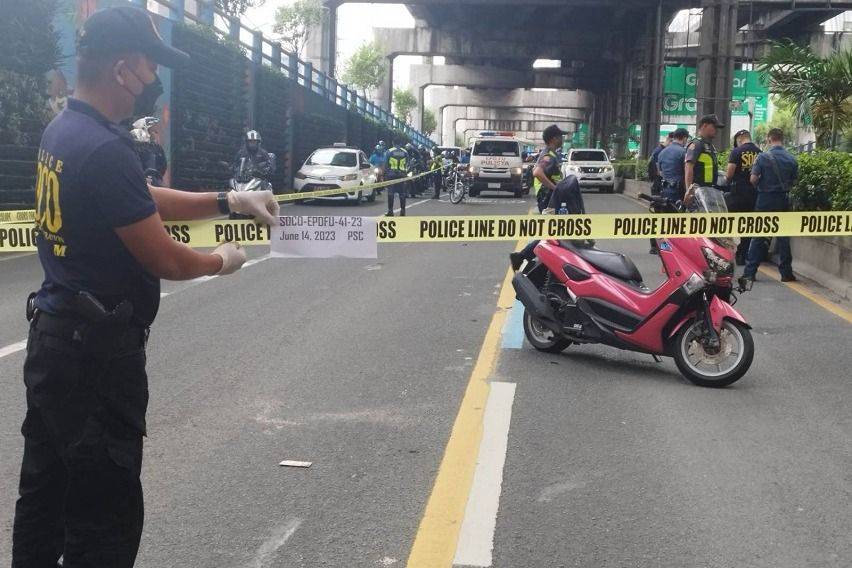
point(384, 97)
point(716, 57)
point(652, 86)
point(321, 47)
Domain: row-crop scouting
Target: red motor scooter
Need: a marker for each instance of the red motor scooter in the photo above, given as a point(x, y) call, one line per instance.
point(576, 293)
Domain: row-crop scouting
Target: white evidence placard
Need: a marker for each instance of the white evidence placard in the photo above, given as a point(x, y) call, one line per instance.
point(324, 236)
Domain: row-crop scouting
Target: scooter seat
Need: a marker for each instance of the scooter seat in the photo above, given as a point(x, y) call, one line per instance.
point(612, 263)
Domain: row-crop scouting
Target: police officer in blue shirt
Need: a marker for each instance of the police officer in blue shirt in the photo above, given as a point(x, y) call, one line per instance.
point(671, 165)
point(774, 173)
point(653, 165)
point(103, 250)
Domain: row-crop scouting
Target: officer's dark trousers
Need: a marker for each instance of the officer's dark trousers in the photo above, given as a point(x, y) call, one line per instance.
point(567, 192)
point(759, 246)
point(741, 199)
point(80, 493)
point(400, 189)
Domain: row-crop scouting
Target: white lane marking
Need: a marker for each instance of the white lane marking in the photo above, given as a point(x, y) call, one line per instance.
point(265, 554)
point(13, 348)
point(476, 539)
point(21, 345)
point(13, 256)
point(407, 207)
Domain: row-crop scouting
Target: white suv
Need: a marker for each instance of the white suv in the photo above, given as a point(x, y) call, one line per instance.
point(592, 168)
point(337, 167)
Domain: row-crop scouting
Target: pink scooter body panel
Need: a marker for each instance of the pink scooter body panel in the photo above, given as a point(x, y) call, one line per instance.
point(679, 261)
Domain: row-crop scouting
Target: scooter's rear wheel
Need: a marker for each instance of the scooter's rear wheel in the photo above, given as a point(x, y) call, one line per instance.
point(713, 367)
point(542, 338)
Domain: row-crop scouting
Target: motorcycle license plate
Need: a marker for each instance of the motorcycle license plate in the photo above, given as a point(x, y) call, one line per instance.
point(493, 186)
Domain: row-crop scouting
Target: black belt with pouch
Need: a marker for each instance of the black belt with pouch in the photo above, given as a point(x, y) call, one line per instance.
point(91, 327)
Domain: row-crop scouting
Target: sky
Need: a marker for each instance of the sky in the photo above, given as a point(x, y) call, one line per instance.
point(355, 25)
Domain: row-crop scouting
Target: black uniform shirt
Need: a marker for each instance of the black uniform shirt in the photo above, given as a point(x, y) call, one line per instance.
point(90, 181)
point(743, 157)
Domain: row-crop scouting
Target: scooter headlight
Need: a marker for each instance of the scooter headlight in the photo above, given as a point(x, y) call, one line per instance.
point(694, 284)
point(717, 263)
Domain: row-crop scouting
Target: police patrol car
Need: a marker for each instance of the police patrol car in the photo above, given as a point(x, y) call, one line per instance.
point(496, 163)
point(338, 167)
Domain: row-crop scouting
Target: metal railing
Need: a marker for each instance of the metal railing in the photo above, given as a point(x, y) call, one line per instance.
point(263, 51)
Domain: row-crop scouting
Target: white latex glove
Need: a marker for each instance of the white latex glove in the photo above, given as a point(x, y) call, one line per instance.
point(259, 204)
point(233, 257)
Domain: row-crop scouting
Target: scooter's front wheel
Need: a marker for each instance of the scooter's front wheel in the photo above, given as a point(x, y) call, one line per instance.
point(457, 192)
point(542, 338)
point(710, 366)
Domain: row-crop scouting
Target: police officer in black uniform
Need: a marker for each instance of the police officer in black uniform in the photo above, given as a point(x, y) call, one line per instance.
point(103, 249)
point(742, 195)
point(397, 166)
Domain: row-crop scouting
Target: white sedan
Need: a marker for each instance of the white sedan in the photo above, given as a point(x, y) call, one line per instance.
point(338, 167)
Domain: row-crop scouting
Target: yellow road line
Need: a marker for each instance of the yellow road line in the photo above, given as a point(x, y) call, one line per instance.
point(437, 537)
point(812, 296)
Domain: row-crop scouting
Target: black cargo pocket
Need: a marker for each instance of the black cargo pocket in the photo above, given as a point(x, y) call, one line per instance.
point(52, 371)
point(124, 389)
point(126, 453)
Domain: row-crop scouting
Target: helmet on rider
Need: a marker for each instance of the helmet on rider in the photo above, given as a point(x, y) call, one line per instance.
point(252, 140)
point(140, 131)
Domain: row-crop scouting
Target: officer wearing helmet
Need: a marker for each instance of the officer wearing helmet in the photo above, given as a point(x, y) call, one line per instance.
point(146, 135)
point(258, 162)
point(103, 250)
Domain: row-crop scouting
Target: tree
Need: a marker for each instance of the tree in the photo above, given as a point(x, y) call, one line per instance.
point(820, 88)
point(430, 123)
point(293, 23)
point(783, 117)
point(32, 50)
point(237, 7)
point(366, 69)
point(403, 103)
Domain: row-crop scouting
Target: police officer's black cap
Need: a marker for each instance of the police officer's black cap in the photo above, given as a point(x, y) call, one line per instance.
point(680, 133)
point(126, 29)
point(711, 119)
point(742, 132)
point(551, 132)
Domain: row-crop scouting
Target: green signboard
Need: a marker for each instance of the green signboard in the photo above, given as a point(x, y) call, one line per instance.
point(580, 137)
point(749, 94)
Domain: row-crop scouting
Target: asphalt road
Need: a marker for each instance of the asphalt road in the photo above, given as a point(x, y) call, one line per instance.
point(360, 367)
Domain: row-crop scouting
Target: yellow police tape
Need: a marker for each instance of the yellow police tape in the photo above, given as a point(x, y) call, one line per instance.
point(26, 215)
point(299, 196)
point(22, 238)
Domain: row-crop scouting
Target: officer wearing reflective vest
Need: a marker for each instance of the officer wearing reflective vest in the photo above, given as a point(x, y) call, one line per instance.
point(547, 171)
point(436, 166)
point(103, 250)
point(397, 167)
point(700, 160)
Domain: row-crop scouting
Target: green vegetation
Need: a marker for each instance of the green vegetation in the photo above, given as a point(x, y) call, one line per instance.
point(237, 7)
point(31, 49)
point(783, 117)
point(403, 103)
point(366, 69)
point(430, 123)
point(825, 182)
point(293, 23)
point(820, 89)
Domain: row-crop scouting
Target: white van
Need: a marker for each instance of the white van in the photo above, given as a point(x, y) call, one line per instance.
point(496, 164)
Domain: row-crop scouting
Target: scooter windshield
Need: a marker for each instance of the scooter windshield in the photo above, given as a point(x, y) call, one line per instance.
point(710, 200)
